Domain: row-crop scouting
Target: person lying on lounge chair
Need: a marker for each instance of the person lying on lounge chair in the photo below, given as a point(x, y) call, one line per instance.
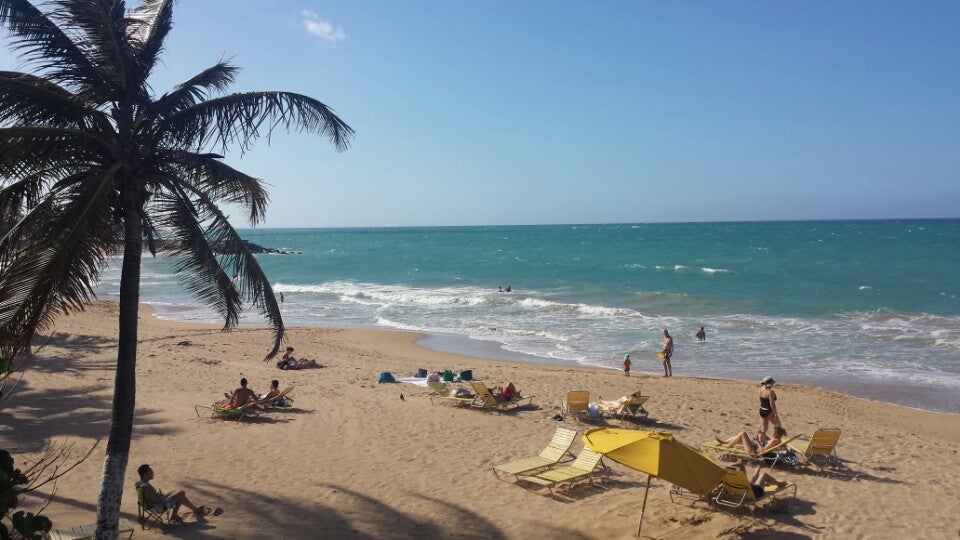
point(160, 502)
point(758, 446)
point(616, 406)
point(287, 361)
point(239, 397)
point(759, 479)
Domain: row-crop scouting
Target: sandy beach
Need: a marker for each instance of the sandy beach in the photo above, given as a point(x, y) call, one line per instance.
point(357, 459)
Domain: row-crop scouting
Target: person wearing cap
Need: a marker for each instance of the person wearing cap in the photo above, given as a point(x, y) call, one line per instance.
point(768, 405)
point(626, 365)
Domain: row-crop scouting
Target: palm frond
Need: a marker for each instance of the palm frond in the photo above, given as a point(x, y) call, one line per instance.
point(61, 252)
point(239, 118)
point(188, 93)
point(103, 27)
point(32, 100)
point(151, 22)
point(222, 182)
point(45, 45)
point(25, 150)
point(251, 283)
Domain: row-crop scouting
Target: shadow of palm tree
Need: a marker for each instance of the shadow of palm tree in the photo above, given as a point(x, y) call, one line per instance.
point(367, 517)
point(74, 412)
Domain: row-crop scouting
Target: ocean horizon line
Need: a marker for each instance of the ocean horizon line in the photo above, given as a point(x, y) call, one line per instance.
point(601, 224)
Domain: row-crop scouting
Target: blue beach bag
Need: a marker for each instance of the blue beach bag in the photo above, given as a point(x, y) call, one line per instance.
point(386, 377)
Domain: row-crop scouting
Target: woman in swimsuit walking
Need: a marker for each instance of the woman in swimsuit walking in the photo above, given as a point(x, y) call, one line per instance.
point(768, 405)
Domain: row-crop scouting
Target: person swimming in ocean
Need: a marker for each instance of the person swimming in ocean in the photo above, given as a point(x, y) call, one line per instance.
point(701, 335)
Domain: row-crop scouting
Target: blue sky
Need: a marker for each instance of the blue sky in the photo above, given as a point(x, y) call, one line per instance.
point(533, 112)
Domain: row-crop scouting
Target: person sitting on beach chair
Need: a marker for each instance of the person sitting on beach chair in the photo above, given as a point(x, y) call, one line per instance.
point(287, 361)
point(506, 394)
point(157, 502)
point(274, 391)
point(239, 397)
point(754, 446)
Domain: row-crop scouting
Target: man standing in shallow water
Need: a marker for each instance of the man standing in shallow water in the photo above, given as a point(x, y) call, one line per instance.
point(666, 353)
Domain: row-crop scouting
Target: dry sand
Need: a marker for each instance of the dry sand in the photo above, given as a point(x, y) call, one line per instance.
point(353, 460)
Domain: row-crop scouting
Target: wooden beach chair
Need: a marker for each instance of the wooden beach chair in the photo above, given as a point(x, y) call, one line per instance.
point(581, 469)
point(735, 491)
point(558, 447)
point(575, 402)
point(442, 393)
point(821, 445)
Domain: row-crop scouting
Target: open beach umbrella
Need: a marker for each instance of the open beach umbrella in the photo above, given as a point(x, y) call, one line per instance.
point(658, 454)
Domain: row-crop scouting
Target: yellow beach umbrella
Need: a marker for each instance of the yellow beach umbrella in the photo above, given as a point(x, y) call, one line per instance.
point(658, 454)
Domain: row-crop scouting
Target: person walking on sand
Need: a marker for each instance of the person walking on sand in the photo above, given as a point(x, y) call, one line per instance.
point(701, 335)
point(666, 353)
point(768, 405)
point(626, 365)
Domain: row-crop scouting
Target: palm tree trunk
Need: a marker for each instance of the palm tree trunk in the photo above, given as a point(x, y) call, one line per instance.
point(124, 391)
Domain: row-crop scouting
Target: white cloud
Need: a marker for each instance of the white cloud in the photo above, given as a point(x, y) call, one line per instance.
point(319, 27)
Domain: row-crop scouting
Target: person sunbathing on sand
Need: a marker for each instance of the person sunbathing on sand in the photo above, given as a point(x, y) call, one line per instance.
point(287, 361)
point(759, 446)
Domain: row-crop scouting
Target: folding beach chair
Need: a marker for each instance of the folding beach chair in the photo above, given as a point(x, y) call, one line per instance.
point(147, 515)
point(219, 411)
point(575, 402)
point(581, 469)
point(821, 445)
point(485, 400)
point(443, 393)
point(735, 490)
point(772, 456)
point(558, 447)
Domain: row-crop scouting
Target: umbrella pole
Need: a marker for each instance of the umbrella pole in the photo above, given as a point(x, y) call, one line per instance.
point(644, 507)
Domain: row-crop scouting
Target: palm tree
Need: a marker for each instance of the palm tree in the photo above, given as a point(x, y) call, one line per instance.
point(90, 159)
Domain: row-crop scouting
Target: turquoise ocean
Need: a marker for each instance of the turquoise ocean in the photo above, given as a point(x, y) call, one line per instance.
point(869, 308)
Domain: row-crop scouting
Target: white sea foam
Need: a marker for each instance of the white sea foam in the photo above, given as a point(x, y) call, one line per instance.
point(707, 270)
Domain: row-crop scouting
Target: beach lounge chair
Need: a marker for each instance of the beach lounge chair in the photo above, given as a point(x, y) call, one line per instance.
point(442, 393)
point(147, 515)
point(581, 469)
point(219, 411)
point(821, 445)
point(276, 400)
point(575, 402)
point(85, 532)
point(558, 447)
point(634, 407)
point(485, 399)
point(735, 491)
point(771, 456)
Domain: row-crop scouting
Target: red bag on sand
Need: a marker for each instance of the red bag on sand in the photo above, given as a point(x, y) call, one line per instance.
point(509, 392)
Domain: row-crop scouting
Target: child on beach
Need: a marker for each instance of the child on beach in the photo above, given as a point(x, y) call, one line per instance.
point(626, 365)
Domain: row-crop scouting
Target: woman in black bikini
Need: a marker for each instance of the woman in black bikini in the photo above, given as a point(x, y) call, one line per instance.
point(768, 405)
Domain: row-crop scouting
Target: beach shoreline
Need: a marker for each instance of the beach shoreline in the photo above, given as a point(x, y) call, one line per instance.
point(366, 460)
